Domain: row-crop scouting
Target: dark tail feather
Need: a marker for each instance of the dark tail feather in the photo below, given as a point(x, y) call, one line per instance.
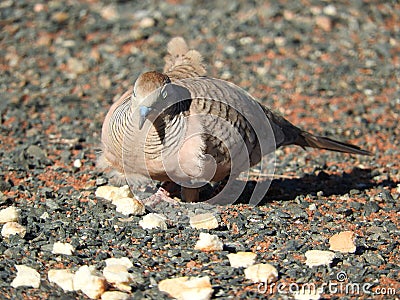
point(306, 139)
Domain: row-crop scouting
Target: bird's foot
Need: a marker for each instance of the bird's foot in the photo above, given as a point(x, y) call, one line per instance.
point(162, 195)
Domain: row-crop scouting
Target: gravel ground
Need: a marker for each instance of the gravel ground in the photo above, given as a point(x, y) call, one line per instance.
point(333, 70)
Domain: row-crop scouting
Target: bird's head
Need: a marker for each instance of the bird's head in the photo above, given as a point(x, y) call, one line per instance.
point(156, 95)
point(147, 90)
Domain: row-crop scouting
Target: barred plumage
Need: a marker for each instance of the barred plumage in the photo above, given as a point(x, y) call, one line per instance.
point(192, 118)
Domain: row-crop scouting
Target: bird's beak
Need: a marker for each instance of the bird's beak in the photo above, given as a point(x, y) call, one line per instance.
point(144, 112)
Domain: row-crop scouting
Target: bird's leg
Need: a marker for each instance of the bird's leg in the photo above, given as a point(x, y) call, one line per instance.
point(164, 193)
point(190, 194)
point(217, 188)
point(173, 189)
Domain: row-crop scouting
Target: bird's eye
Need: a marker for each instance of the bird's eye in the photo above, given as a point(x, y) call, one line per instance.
point(164, 93)
point(133, 93)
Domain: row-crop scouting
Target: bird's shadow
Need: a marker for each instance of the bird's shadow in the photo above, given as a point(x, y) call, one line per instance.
point(329, 184)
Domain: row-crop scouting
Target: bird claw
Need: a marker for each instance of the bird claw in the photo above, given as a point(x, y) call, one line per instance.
point(160, 196)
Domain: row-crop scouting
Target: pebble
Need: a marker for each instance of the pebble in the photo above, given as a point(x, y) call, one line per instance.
point(242, 259)
point(60, 17)
point(89, 283)
point(204, 221)
point(324, 22)
point(63, 248)
point(153, 220)
point(129, 206)
point(330, 10)
point(265, 273)
point(147, 22)
point(230, 50)
point(371, 207)
point(374, 259)
point(9, 214)
point(116, 272)
point(101, 181)
point(77, 163)
point(64, 278)
point(124, 261)
point(44, 40)
point(104, 81)
point(261, 71)
point(119, 276)
point(183, 288)
point(280, 41)
point(246, 40)
point(111, 192)
point(312, 207)
point(343, 242)
point(377, 233)
point(36, 152)
point(77, 66)
point(109, 12)
point(6, 3)
point(11, 228)
point(26, 276)
point(115, 295)
point(4, 186)
point(319, 257)
point(208, 242)
point(44, 215)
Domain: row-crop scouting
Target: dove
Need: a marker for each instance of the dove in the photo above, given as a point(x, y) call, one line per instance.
point(182, 126)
